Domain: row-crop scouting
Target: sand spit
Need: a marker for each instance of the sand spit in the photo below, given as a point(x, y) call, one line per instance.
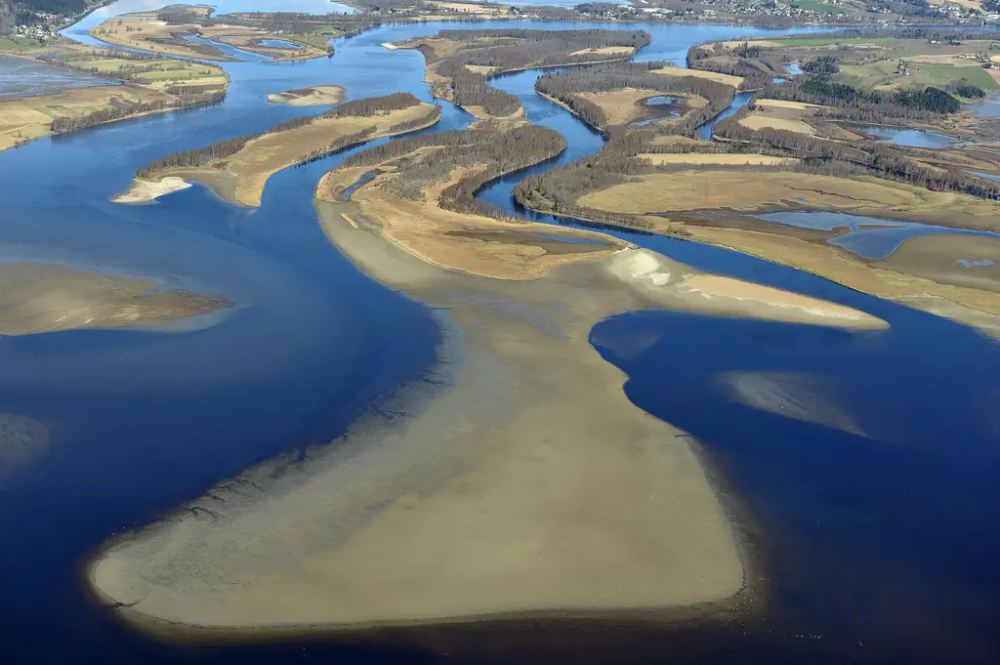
point(45, 297)
point(529, 483)
point(145, 191)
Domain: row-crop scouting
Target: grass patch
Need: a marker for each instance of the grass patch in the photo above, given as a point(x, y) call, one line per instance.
point(818, 6)
point(15, 43)
point(942, 74)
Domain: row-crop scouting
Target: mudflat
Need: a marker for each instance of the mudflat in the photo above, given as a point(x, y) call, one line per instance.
point(44, 297)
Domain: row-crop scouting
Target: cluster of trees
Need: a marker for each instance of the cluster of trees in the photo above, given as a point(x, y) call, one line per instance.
point(823, 65)
point(849, 103)
point(756, 73)
point(370, 106)
point(471, 89)
point(197, 156)
point(7, 24)
point(490, 151)
point(121, 109)
point(566, 86)
point(963, 88)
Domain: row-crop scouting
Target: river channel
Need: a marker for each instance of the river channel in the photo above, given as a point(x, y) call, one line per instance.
point(874, 543)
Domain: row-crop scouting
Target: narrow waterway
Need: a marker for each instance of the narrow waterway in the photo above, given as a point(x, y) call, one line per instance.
point(874, 543)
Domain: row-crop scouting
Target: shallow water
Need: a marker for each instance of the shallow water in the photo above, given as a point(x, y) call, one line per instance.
point(20, 77)
point(914, 138)
point(875, 549)
point(862, 239)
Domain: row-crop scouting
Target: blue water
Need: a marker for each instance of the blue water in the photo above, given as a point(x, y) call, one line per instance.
point(279, 43)
point(862, 239)
point(874, 550)
point(915, 138)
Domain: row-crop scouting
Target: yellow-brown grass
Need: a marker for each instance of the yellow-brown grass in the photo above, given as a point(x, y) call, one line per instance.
point(622, 105)
point(727, 79)
point(751, 190)
point(714, 158)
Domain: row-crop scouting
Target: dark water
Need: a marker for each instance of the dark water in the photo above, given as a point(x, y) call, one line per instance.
point(877, 549)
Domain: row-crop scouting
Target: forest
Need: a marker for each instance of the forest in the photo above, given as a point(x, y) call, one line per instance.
point(566, 86)
point(490, 150)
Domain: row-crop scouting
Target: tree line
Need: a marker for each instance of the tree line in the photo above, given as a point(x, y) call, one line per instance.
point(120, 109)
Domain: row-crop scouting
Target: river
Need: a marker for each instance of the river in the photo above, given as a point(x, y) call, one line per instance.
point(873, 548)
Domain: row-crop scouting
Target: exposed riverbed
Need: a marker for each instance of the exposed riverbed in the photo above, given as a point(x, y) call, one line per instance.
point(872, 517)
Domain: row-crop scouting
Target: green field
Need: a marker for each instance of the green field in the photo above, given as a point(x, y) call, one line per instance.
point(830, 41)
point(866, 76)
point(18, 43)
point(818, 6)
point(942, 74)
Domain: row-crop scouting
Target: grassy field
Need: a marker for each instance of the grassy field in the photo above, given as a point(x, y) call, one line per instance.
point(818, 6)
point(940, 74)
point(15, 43)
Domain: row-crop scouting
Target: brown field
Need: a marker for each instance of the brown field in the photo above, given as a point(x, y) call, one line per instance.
point(762, 121)
point(622, 106)
point(937, 257)
point(757, 190)
point(727, 79)
point(242, 176)
point(606, 50)
point(778, 114)
point(713, 158)
point(29, 118)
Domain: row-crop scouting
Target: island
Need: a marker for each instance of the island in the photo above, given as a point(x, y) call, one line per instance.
point(318, 95)
point(237, 168)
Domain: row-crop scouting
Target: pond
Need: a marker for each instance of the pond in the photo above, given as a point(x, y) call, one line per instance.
point(914, 138)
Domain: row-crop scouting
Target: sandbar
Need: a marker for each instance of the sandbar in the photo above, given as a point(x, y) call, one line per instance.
point(319, 95)
point(46, 297)
point(144, 191)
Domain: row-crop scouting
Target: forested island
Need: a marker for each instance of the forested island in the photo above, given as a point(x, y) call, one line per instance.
point(237, 168)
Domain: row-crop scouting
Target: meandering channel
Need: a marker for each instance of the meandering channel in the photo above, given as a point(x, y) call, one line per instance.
point(868, 534)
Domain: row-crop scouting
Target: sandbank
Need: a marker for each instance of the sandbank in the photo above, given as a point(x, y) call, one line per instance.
point(319, 95)
point(144, 191)
point(45, 297)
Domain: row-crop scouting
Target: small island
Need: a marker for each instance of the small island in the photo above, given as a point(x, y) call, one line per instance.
point(238, 168)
